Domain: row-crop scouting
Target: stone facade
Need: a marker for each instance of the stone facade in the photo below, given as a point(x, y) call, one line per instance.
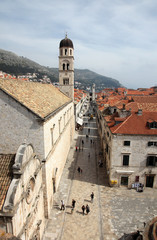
point(137, 153)
point(129, 158)
point(51, 140)
point(23, 208)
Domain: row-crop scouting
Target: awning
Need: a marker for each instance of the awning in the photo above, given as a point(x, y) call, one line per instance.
point(124, 171)
point(79, 121)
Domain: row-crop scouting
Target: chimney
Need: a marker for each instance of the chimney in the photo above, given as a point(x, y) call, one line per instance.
point(139, 113)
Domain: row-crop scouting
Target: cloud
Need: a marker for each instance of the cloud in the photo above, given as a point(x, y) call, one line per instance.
point(115, 38)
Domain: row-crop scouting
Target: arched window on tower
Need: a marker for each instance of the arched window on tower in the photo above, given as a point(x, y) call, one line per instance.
point(70, 51)
point(63, 66)
point(65, 51)
point(66, 81)
point(67, 66)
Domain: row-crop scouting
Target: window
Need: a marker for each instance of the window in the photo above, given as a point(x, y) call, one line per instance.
point(137, 179)
point(107, 148)
point(152, 144)
point(65, 51)
point(126, 143)
point(124, 180)
point(63, 66)
point(70, 51)
point(66, 81)
point(52, 136)
point(125, 160)
point(67, 66)
point(152, 124)
point(151, 161)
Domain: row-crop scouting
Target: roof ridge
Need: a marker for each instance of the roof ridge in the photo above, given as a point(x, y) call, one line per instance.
point(122, 123)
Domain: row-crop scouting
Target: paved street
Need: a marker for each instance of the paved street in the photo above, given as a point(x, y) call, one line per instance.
point(113, 211)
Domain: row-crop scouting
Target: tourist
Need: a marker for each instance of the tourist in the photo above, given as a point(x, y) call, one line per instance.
point(92, 196)
point(83, 209)
point(87, 209)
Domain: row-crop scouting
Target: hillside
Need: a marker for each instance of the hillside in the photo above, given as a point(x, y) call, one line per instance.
point(19, 65)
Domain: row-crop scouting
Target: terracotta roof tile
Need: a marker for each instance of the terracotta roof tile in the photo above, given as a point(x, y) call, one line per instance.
point(136, 124)
point(145, 99)
point(42, 99)
point(6, 163)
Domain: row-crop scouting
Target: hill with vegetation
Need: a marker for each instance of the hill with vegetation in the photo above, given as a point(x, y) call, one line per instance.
point(19, 65)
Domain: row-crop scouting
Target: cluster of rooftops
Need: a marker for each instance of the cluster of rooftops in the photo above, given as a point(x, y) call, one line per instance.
point(129, 111)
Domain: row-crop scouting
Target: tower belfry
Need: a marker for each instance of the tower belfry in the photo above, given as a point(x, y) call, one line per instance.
point(66, 67)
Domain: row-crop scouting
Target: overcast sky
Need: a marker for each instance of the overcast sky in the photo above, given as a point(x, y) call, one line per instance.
point(115, 38)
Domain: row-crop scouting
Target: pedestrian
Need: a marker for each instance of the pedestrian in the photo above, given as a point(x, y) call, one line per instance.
point(79, 169)
point(73, 203)
point(86, 135)
point(88, 130)
point(88, 155)
point(91, 141)
point(82, 142)
point(76, 148)
point(92, 196)
point(79, 148)
point(87, 209)
point(83, 209)
point(62, 205)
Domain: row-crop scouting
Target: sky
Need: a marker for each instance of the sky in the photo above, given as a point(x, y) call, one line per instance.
point(114, 38)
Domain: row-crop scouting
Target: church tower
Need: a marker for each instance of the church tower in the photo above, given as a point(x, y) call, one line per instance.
point(93, 92)
point(66, 67)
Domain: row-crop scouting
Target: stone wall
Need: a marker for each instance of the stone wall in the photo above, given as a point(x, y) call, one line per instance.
point(25, 195)
point(18, 125)
point(138, 152)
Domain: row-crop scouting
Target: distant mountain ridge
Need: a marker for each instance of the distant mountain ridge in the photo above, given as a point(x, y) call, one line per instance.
point(19, 65)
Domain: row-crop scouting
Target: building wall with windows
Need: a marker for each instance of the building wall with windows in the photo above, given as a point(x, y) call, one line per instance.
point(46, 121)
point(132, 159)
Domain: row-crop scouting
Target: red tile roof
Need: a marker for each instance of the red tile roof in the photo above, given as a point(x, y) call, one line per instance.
point(136, 124)
point(145, 99)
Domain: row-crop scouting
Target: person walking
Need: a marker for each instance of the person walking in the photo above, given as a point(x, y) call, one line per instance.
point(92, 196)
point(87, 209)
point(73, 203)
point(62, 205)
point(83, 209)
point(73, 206)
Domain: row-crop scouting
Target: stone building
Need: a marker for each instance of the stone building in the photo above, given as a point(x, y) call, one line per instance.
point(130, 144)
point(40, 115)
point(21, 196)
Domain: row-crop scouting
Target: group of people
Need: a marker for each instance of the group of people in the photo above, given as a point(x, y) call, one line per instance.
point(79, 170)
point(84, 208)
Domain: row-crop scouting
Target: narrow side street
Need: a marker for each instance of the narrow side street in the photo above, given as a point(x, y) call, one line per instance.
point(113, 211)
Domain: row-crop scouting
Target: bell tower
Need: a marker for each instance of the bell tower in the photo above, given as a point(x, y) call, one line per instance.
point(66, 67)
